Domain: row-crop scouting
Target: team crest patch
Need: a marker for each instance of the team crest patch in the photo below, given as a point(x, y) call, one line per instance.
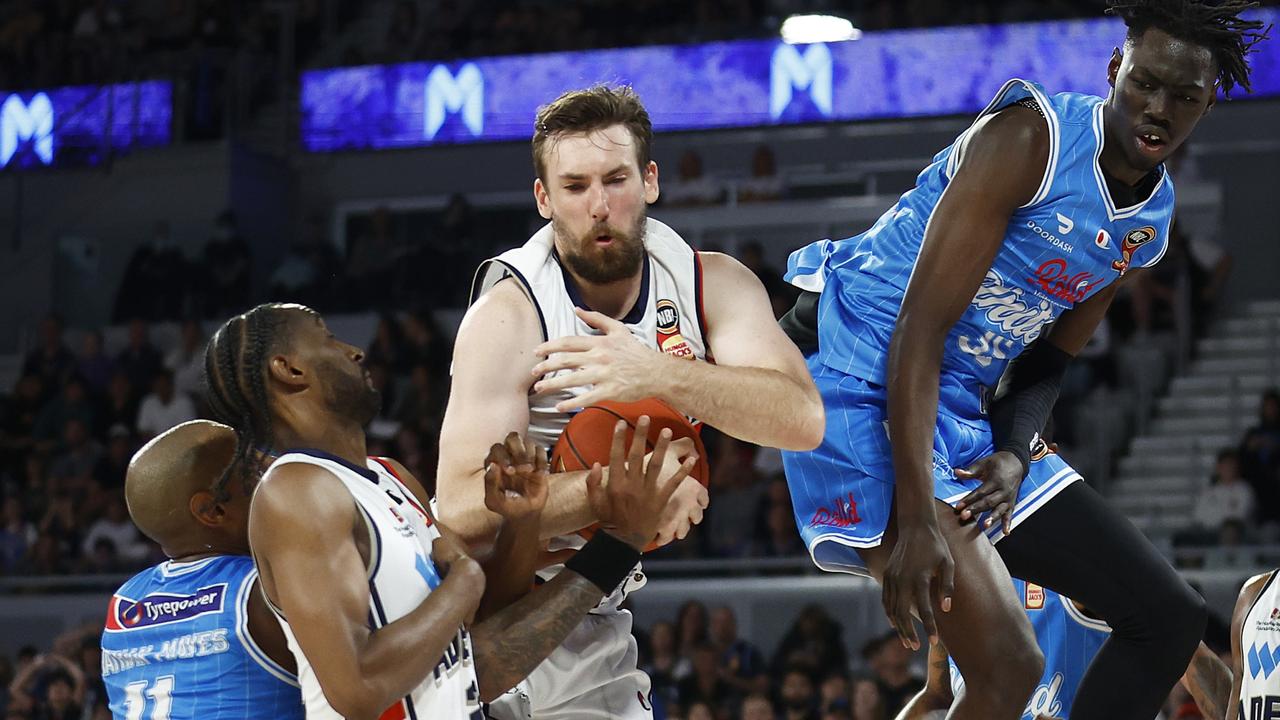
point(1034, 597)
point(669, 337)
point(1133, 240)
point(163, 608)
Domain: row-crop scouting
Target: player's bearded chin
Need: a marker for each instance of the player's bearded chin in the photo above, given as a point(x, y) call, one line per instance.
point(620, 260)
point(350, 396)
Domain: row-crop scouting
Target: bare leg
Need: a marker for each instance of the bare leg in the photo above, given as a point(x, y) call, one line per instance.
point(987, 632)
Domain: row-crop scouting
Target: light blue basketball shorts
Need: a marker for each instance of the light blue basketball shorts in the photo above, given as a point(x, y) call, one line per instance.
point(842, 491)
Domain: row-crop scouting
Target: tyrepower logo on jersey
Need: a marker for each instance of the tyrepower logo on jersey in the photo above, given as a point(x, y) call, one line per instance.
point(1054, 240)
point(669, 338)
point(842, 514)
point(164, 608)
point(1133, 240)
point(1006, 308)
point(1055, 281)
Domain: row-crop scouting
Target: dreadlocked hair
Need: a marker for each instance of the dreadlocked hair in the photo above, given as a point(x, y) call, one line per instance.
point(235, 376)
point(1216, 26)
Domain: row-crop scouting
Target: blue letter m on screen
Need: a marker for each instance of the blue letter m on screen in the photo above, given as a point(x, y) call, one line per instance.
point(22, 122)
point(447, 93)
point(789, 70)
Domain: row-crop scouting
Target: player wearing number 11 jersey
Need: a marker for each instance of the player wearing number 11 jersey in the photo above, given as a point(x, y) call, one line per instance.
point(192, 637)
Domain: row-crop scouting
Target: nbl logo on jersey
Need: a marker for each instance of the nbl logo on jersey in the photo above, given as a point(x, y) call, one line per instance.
point(163, 608)
point(669, 337)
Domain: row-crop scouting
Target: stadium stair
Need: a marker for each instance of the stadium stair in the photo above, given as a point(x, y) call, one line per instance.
point(1204, 410)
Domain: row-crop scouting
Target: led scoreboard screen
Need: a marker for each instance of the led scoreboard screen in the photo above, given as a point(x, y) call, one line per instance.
point(82, 125)
point(895, 74)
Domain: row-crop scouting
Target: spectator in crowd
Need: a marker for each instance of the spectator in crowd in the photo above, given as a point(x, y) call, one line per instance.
point(421, 405)
point(154, 285)
point(796, 695)
point(737, 490)
point(833, 693)
point(117, 528)
point(227, 268)
point(1182, 292)
point(371, 259)
point(700, 711)
point(59, 536)
point(52, 362)
point(426, 344)
point(741, 665)
point(890, 663)
point(111, 467)
point(1260, 456)
point(758, 707)
point(388, 347)
point(71, 404)
point(119, 408)
point(139, 360)
point(186, 360)
point(705, 684)
point(307, 270)
point(764, 184)
point(813, 642)
point(19, 421)
point(1227, 497)
point(64, 689)
point(163, 408)
point(78, 454)
point(692, 186)
point(780, 538)
point(93, 365)
point(17, 535)
point(665, 666)
point(691, 627)
point(868, 703)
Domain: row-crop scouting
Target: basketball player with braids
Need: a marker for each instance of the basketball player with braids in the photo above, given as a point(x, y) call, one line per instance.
point(1012, 244)
point(605, 303)
point(376, 597)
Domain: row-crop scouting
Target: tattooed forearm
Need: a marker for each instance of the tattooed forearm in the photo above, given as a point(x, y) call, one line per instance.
point(1208, 679)
point(511, 643)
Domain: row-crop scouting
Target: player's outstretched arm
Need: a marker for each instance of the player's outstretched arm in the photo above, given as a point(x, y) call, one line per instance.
point(510, 644)
point(302, 528)
point(936, 693)
point(758, 389)
point(1209, 681)
point(1003, 164)
point(1248, 594)
point(489, 398)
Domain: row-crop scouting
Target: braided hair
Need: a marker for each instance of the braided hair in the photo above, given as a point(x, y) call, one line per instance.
point(1213, 25)
point(235, 376)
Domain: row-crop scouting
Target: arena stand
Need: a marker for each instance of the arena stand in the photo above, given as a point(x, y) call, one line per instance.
point(1159, 398)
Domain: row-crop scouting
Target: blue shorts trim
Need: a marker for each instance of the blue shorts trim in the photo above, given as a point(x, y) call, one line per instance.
point(842, 491)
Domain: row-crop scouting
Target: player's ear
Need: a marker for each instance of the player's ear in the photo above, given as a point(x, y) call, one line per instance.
point(206, 509)
point(283, 369)
point(541, 197)
point(651, 190)
point(1113, 67)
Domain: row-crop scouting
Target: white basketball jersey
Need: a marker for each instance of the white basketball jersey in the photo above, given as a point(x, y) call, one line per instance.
point(667, 316)
point(401, 576)
point(1260, 654)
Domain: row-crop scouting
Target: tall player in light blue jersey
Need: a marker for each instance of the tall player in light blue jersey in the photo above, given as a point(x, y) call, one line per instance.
point(192, 638)
point(1019, 231)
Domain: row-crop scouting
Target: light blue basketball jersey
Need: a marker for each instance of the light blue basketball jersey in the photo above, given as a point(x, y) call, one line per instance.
point(177, 645)
point(1064, 246)
point(1069, 640)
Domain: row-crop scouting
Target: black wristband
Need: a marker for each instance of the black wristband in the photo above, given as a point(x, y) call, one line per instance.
point(605, 561)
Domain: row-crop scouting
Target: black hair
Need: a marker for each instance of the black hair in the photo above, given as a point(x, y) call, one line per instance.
point(1216, 26)
point(235, 377)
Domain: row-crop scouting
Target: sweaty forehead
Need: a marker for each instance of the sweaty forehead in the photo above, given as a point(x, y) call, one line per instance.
point(1175, 60)
point(595, 151)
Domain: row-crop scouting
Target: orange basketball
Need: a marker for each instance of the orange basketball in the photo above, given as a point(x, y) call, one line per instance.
point(589, 436)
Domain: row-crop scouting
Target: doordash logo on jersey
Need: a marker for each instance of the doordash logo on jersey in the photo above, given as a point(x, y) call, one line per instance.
point(1065, 224)
point(163, 608)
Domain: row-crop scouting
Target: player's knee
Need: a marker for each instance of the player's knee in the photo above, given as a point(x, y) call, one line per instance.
point(1184, 622)
point(1009, 682)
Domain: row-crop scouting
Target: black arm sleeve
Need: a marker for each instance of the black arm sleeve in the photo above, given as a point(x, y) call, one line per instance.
point(1034, 381)
point(801, 322)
